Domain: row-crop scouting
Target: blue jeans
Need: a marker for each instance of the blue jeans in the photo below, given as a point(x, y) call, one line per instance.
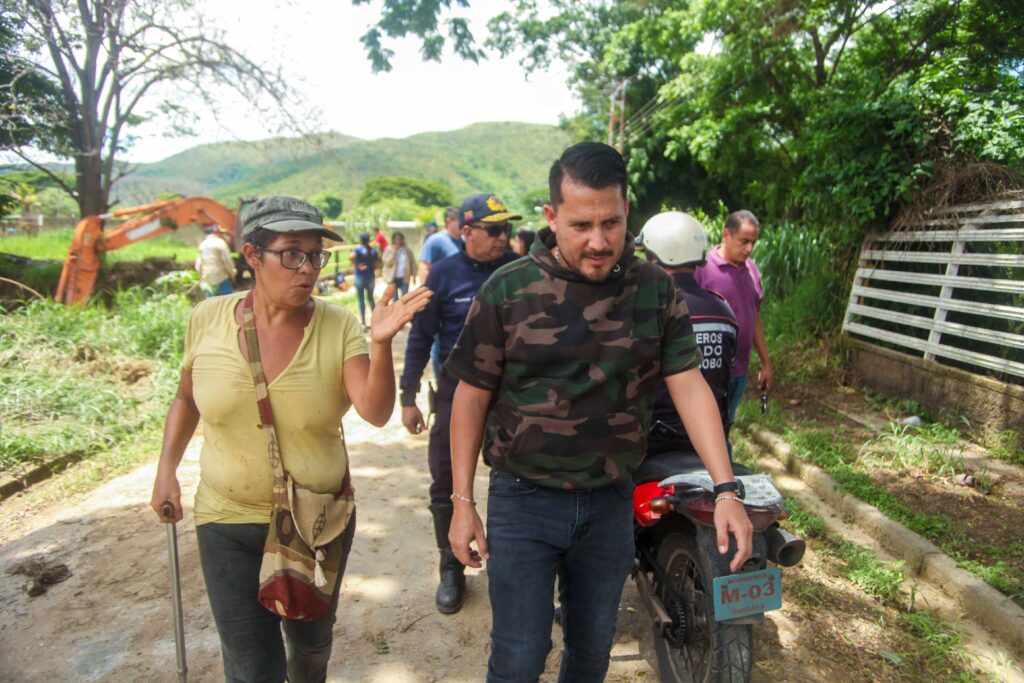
point(735, 393)
point(364, 290)
point(401, 286)
point(250, 635)
point(530, 528)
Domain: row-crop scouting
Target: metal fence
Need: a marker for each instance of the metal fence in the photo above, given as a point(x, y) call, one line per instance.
point(950, 288)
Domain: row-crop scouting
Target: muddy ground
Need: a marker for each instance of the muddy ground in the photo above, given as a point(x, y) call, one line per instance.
point(111, 619)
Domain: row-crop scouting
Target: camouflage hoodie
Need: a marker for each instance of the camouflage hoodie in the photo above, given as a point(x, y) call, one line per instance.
point(573, 365)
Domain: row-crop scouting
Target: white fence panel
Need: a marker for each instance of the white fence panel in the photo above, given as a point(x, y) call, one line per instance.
point(940, 287)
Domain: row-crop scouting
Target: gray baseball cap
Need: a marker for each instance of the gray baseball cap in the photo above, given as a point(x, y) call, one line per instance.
point(284, 214)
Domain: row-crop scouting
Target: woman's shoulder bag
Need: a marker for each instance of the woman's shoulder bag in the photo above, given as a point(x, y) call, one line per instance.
point(303, 552)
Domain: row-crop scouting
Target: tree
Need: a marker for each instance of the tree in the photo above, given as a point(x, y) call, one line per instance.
point(26, 196)
point(420, 192)
point(836, 112)
point(422, 18)
point(30, 108)
point(115, 62)
point(330, 205)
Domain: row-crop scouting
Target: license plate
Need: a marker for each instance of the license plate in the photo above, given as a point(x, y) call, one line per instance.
point(744, 595)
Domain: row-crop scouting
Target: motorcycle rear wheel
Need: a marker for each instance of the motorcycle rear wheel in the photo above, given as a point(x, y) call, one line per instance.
point(696, 649)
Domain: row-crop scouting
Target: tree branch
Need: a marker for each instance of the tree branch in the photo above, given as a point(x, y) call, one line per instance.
point(53, 176)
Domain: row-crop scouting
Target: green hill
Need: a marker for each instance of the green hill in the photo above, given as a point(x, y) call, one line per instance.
point(510, 159)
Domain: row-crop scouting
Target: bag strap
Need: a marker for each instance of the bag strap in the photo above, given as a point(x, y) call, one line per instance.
point(252, 345)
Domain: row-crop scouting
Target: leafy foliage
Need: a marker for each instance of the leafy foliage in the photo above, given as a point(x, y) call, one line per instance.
point(330, 205)
point(30, 105)
point(419, 192)
point(400, 18)
point(833, 114)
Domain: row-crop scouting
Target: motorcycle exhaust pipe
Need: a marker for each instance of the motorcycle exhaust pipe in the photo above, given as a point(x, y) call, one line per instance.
point(784, 549)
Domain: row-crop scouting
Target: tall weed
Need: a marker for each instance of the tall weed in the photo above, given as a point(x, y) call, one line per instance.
point(82, 380)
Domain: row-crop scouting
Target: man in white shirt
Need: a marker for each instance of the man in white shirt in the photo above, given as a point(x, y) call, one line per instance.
point(214, 264)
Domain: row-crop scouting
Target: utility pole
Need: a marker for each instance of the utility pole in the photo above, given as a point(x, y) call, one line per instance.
point(617, 115)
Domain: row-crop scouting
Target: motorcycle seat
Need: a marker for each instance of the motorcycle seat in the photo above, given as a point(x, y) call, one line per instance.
point(664, 465)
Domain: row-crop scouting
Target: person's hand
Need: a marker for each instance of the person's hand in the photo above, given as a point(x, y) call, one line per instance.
point(391, 316)
point(166, 490)
point(412, 418)
point(465, 529)
point(731, 517)
point(764, 377)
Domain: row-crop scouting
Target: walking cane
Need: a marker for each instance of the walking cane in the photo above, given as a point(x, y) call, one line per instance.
point(179, 620)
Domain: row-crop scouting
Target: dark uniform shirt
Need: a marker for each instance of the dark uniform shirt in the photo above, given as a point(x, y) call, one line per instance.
point(455, 280)
point(715, 327)
point(573, 365)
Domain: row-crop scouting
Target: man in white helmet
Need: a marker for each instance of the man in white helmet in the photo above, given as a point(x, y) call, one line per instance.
point(678, 243)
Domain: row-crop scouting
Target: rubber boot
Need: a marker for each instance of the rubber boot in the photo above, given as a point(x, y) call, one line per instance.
point(452, 588)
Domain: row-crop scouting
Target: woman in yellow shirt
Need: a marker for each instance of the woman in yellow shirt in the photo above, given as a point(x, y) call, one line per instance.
point(315, 362)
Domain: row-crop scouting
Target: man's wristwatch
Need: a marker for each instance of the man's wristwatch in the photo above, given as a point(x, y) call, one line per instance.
point(726, 487)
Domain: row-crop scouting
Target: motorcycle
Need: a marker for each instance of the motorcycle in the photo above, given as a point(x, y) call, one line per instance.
point(703, 614)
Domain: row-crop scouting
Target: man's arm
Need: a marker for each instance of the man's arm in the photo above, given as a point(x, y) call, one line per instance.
point(425, 326)
point(227, 261)
point(697, 408)
point(469, 410)
point(761, 346)
point(422, 270)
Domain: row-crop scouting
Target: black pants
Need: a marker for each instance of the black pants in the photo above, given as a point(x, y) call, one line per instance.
point(250, 635)
point(439, 454)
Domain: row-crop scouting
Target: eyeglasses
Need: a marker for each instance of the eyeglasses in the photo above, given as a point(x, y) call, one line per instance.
point(294, 258)
point(496, 230)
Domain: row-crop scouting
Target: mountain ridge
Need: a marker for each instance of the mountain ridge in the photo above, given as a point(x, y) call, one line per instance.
point(507, 158)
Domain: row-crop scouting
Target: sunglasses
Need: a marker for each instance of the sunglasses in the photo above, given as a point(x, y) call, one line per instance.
point(496, 230)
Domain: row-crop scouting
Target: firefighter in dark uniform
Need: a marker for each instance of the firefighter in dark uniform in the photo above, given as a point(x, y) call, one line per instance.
point(678, 243)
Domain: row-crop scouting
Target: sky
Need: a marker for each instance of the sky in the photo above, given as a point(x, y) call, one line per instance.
point(316, 42)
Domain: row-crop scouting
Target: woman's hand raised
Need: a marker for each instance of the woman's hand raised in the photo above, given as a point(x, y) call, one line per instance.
point(391, 316)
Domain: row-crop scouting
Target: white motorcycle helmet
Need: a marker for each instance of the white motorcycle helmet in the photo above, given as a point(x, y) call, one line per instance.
point(675, 239)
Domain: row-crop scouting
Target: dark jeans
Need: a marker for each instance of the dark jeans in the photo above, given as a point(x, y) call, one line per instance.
point(364, 291)
point(250, 635)
point(530, 529)
point(439, 454)
point(401, 286)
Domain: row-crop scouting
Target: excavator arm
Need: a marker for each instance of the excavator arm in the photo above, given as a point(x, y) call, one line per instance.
point(82, 264)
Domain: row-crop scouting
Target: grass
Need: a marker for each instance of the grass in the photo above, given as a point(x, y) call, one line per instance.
point(933, 447)
point(1009, 447)
point(839, 461)
point(941, 641)
point(52, 245)
point(938, 643)
point(86, 380)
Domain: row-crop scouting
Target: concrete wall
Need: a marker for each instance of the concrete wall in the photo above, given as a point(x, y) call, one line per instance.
point(989, 405)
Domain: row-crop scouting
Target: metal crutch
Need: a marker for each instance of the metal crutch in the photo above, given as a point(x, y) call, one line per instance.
point(167, 510)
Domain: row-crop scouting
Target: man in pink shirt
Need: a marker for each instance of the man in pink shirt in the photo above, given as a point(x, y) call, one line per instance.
point(732, 273)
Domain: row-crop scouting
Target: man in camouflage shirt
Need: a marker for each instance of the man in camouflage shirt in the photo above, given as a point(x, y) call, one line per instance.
point(557, 366)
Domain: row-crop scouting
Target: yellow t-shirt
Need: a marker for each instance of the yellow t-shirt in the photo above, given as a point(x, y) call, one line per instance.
point(308, 399)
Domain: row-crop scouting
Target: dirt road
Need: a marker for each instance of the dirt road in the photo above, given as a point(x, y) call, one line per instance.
point(111, 620)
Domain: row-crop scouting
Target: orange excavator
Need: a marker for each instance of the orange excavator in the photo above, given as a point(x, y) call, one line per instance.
point(83, 262)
